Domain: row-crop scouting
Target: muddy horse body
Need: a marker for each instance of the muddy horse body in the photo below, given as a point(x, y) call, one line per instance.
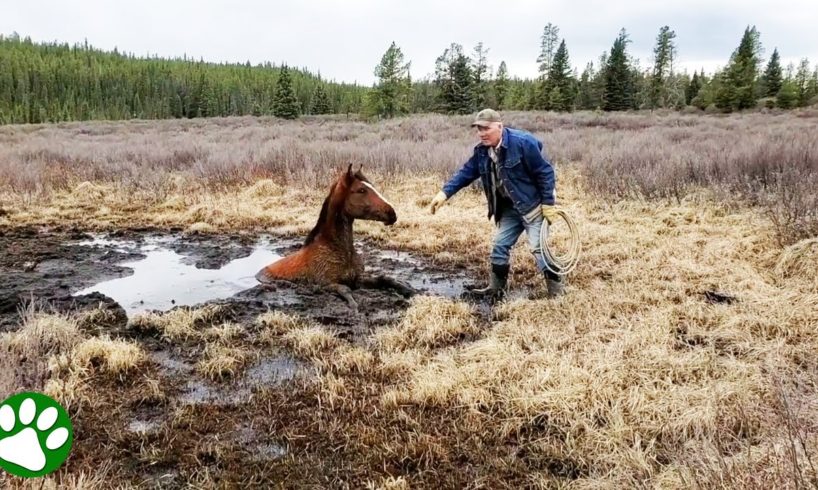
point(328, 256)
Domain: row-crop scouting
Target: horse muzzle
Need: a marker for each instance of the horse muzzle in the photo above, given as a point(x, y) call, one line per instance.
point(391, 217)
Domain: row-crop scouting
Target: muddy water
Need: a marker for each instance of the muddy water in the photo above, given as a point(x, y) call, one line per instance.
point(267, 371)
point(164, 278)
point(134, 271)
point(170, 273)
point(274, 369)
point(419, 273)
point(257, 443)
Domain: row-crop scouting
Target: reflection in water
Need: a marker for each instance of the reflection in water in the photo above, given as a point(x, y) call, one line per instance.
point(163, 280)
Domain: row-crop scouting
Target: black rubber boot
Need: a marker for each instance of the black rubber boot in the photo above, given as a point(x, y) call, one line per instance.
point(497, 283)
point(555, 284)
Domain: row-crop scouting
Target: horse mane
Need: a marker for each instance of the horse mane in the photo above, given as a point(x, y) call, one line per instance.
point(322, 218)
point(324, 215)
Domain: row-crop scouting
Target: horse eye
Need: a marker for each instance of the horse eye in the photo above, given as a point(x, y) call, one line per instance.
point(362, 190)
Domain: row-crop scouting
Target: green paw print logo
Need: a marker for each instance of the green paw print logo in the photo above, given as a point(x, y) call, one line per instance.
point(35, 435)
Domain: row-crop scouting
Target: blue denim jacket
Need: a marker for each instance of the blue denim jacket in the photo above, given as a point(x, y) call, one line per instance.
point(526, 173)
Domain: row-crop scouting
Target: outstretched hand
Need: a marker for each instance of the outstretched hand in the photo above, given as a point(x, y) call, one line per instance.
point(437, 202)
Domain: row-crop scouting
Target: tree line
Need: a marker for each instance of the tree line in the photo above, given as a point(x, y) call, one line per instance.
point(52, 82)
point(463, 82)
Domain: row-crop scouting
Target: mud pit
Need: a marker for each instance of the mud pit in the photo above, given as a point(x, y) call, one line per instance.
point(139, 271)
point(171, 423)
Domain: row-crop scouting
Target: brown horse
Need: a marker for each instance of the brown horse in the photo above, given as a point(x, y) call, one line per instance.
point(328, 256)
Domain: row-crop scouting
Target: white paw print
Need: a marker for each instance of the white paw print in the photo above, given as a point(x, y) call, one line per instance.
point(25, 448)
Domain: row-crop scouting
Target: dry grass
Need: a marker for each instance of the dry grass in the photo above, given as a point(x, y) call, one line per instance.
point(350, 360)
point(429, 322)
point(63, 480)
point(220, 362)
point(181, 324)
point(391, 483)
point(311, 342)
point(797, 264)
point(633, 373)
point(28, 350)
point(224, 333)
point(43, 334)
point(277, 323)
point(231, 173)
point(51, 354)
point(222, 354)
point(112, 356)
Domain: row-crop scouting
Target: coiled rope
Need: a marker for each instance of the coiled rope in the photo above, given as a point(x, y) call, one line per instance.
point(567, 262)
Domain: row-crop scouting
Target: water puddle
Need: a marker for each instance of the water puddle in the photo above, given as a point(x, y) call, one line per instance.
point(170, 364)
point(197, 391)
point(128, 246)
point(267, 371)
point(160, 478)
point(257, 443)
point(164, 278)
point(143, 427)
point(253, 441)
point(273, 370)
point(420, 274)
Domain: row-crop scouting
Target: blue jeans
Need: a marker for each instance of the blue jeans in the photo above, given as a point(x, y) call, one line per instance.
point(509, 229)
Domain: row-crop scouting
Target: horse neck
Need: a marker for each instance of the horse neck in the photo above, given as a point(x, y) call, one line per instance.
point(339, 232)
point(334, 226)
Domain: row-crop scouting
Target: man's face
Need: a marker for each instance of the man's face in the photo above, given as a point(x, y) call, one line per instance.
point(490, 135)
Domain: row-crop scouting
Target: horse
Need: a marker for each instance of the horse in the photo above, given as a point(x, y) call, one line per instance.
point(328, 257)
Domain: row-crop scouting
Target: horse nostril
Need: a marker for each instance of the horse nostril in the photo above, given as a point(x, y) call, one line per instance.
point(392, 217)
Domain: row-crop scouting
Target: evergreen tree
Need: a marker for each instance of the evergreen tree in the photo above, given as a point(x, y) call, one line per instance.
point(692, 88)
point(548, 47)
point(175, 106)
point(560, 83)
point(739, 78)
point(664, 53)
point(773, 75)
point(619, 89)
point(481, 75)
point(802, 83)
point(598, 80)
point(424, 96)
point(392, 93)
point(787, 97)
point(455, 80)
point(641, 80)
point(285, 104)
point(588, 97)
point(813, 86)
point(516, 98)
point(707, 93)
point(501, 85)
point(320, 100)
point(49, 82)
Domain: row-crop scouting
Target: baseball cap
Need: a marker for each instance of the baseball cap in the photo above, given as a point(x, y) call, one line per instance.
point(486, 117)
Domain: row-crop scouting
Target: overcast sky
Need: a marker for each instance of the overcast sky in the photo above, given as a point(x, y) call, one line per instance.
point(345, 39)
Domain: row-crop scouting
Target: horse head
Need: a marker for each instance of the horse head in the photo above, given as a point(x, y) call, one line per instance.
point(361, 200)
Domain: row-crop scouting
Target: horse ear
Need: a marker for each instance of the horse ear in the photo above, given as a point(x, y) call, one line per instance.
point(349, 176)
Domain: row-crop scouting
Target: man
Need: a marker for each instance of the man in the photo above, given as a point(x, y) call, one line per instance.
point(520, 188)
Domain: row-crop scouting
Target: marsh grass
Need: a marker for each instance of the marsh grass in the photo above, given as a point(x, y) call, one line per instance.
point(636, 378)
